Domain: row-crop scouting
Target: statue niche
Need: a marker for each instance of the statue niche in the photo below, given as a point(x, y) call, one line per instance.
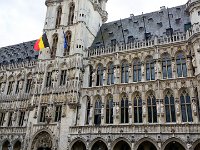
point(42, 141)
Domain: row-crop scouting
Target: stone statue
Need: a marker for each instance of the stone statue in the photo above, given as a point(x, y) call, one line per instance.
point(93, 76)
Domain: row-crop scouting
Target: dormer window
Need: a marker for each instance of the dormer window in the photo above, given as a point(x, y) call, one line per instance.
point(141, 29)
point(178, 21)
point(198, 13)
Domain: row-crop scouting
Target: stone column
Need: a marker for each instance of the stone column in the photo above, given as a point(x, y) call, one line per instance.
point(130, 108)
point(194, 105)
point(116, 109)
point(143, 71)
point(174, 74)
point(189, 67)
point(144, 108)
point(117, 74)
point(94, 77)
point(130, 74)
point(91, 118)
point(177, 106)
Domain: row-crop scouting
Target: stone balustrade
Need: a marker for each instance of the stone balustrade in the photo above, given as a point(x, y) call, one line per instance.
point(137, 129)
point(193, 30)
point(14, 97)
point(12, 130)
point(137, 45)
point(18, 65)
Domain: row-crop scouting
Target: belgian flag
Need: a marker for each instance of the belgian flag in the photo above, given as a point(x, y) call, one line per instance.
point(41, 43)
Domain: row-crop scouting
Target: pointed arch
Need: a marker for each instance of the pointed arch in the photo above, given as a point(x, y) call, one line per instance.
point(68, 35)
point(151, 107)
point(54, 46)
point(181, 64)
point(124, 104)
point(166, 66)
point(109, 109)
point(97, 110)
point(169, 103)
point(100, 71)
point(71, 13)
point(137, 107)
point(137, 70)
point(110, 72)
point(124, 71)
point(59, 15)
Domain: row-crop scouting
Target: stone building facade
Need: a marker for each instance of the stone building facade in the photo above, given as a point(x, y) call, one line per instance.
point(131, 84)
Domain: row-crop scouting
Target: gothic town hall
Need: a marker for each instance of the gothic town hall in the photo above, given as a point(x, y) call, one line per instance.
point(131, 84)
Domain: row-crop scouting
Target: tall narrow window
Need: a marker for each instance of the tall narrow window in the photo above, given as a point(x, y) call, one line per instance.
point(124, 109)
point(49, 79)
point(28, 85)
point(150, 71)
point(43, 114)
point(2, 118)
point(59, 14)
point(186, 107)
point(97, 111)
point(100, 75)
point(137, 71)
point(152, 110)
point(166, 67)
point(10, 119)
point(68, 38)
point(54, 46)
point(170, 108)
point(10, 87)
point(124, 72)
point(109, 110)
point(88, 111)
point(58, 113)
point(181, 65)
point(110, 79)
point(90, 76)
point(21, 118)
point(63, 77)
point(17, 88)
point(71, 14)
point(137, 108)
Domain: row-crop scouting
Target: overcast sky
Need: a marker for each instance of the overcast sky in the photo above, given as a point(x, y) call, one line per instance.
point(23, 20)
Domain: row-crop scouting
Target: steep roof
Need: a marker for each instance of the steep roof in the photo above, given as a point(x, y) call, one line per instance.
point(156, 24)
point(18, 53)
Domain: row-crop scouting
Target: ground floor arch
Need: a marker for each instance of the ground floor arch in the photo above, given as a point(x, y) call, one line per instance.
point(78, 145)
point(99, 145)
point(146, 145)
point(42, 141)
point(197, 147)
point(174, 146)
point(122, 145)
point(17, 145)
point(6, 145)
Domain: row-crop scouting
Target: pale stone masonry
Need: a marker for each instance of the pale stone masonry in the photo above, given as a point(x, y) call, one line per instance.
point(130, 84)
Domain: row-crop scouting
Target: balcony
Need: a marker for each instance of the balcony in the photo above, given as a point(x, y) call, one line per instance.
point(136, 129)
point(137, 45)
point(194, 30)
point(14, 97)
point(12, 130)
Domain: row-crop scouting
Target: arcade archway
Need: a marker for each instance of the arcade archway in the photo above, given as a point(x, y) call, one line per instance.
point(6, 145)
point(197, 147)
point(79, 145)
point(122, 145)
point(17, 146)
point(146, 145)
point(42, 141)
point(174, 146)
point(99, 145)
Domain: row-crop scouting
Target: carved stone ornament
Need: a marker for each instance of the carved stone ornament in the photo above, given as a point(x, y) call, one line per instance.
point(42, 140)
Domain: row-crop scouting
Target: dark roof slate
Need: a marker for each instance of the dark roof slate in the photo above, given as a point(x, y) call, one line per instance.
point(18, 53)
point(156, 23)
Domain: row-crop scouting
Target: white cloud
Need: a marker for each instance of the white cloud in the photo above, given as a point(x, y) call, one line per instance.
point(22, 20)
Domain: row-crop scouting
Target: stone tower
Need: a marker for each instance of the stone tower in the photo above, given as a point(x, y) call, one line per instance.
point(80, 20)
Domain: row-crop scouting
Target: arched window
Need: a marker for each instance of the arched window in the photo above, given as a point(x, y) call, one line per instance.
point(150, 71)
point(136, 71)
point(124, 109)
point(152, 110)
point(88, 110)
point(54, 46)
point(110, 74)
point(109, 110)
point(181, 65)
point(124, 72)
point(68, 38)
point(58, 18)
point(166, 67)
point(137, 108)
point(170, 107)
point(71, 14)
point(100, 75)
point(97, 111)
point(186, 107)
point(90, 76)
